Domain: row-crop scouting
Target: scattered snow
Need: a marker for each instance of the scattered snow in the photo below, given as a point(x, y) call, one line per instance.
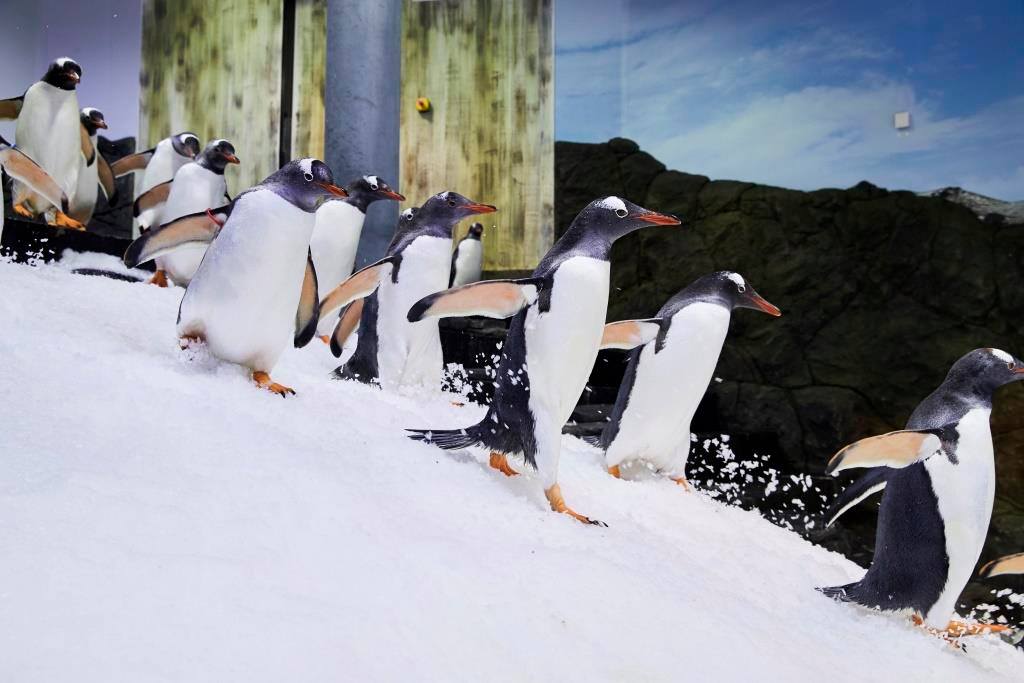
point(165, 520)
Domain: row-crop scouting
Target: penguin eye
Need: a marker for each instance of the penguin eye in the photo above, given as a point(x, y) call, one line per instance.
point(742, 288)
point(373, 187)
point(1011, 365)
point(621, 213)
point(308, 176)
point(451, 202)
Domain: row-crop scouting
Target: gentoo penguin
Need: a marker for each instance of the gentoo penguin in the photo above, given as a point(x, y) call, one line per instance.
point(390, 350)
point(255, 290)
point(93, 169)
point(48, 132)
point(197, 186)
point(551, 344)
point(26, 171)
point(467, 261)
point(667, 377)
point(938, 496)
point(157, 165)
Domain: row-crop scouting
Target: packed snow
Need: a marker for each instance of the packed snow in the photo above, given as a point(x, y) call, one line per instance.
point(164, 520)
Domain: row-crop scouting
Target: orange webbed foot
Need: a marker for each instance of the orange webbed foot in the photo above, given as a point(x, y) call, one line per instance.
point(263, 381)
point(682, 482)
point(23, 210)
point(615, 471)
point(499, 461)
point(159, 279)
point(62, 220)
point(554, 496)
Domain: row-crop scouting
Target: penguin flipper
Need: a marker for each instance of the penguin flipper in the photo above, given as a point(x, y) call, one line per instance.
point(308, 313)
point(348, 321)
point(896, 449)
point(22, 168)
point(106, 176)
point(10, 108)
point(152, 198)
point(872, 482)
point(133, 162)
point(195, 228)
point(1011, 564)
point(628, 334)
point(491, 299)
point(359, 284)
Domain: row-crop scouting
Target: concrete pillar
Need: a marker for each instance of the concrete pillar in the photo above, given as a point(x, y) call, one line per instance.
point(361, 105)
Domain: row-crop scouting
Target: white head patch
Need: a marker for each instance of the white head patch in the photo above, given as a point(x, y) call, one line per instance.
point(88, 111)
point(372, 181)
point(1002, 355)
point(612, 203)
point(61, 61)
point(407, 214)
point(738, 279)
point(307, 165)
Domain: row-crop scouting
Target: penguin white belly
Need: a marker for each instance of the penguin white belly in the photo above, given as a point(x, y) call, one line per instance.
point(468, 264)
point(410, 353)
point(333, 245)
point(48, 132)
point(162, 167)
point(245, 294)
point(966, 492)
point(561, 346)
point(669, 384)
point(194, 189)
point(83, 201)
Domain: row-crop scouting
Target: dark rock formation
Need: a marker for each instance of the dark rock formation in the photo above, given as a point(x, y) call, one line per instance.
point(880, 290)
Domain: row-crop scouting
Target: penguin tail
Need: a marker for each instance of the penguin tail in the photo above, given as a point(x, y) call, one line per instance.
point(448, 439)
point(592, 440)
point(839, 593)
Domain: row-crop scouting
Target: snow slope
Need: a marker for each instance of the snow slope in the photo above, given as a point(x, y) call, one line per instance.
point(162, 520)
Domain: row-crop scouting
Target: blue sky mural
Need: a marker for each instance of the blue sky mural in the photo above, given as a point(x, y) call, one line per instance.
point(802, 94)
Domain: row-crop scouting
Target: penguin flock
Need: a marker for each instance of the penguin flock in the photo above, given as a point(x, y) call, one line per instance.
point(271, 266)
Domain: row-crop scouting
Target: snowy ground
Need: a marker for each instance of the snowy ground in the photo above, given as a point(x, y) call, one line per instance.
point(162, 520)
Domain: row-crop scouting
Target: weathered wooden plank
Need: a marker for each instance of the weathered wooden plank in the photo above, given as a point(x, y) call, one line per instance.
point(487, 68)
point(214, 69)
point(308, 79)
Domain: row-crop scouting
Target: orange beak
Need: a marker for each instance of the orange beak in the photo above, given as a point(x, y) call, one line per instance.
point(100, 124)
point(764, 305)
point(73, 75)
point(659, 219)
point(391, 194)
point(231, 159)
point(480, 208)
point(333, 189)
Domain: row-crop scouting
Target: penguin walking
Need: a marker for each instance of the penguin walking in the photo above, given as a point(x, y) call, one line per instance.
point(391, 351)
point(255, 290)
point(157, 165)
point(938, 497)
point(468, 258)
point(197, 186)
point(667, 376)
point(48, 131)
point(551, 345)
point(93, 169)
point(30, 174)
point(339, 224)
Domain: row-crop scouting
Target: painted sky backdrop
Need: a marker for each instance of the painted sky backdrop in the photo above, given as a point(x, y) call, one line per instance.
point(802, 94)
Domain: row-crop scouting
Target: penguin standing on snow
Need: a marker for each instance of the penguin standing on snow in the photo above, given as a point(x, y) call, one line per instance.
point(339, 224)
point(48, 132)
point(93, 169)
point(391, 351)
point(157, 165)
point(551, 343)
point(667, 377)
point(27, 172)
point(939, 490)
point(468, 259)
point(255, 290)
point(197, 186)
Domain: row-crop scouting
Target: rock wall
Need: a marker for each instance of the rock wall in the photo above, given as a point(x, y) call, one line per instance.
point(880, 290)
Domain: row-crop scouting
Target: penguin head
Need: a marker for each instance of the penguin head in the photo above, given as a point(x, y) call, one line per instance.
point(367, 189)
point(217, 155)
point(63, 73)
point(305, 183)
point(92, 119)
point(446, 209)
point(475, 231)
point(985, 370)
point(186, 144)
point(613, 217)
point(739, 293)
